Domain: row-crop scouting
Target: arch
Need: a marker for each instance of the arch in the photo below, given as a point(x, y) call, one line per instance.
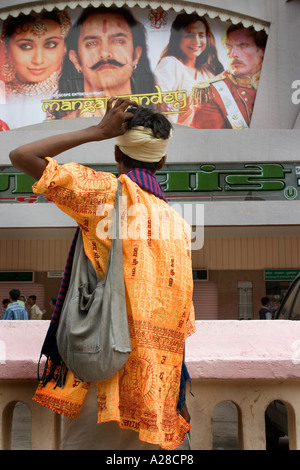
point(226, 421)
point(279, 420)
point(16, 426)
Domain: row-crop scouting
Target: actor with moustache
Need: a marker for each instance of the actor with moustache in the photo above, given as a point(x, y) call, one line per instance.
point(107, 56)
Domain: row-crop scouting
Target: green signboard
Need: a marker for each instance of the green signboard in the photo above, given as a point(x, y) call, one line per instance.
point(16, 276)
point(281, 274)
point(202, 182)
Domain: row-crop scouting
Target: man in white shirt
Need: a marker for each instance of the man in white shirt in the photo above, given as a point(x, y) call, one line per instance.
point(36, 313)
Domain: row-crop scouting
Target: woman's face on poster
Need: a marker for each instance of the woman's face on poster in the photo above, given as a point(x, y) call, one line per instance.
point(36, 52)
point(193, 40)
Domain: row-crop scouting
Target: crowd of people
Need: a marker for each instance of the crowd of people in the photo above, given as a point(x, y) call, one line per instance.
point(106, 53)
point(17, 307)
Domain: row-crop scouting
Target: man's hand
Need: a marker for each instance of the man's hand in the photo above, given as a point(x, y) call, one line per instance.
point(115, 120)
point(30, 158)
point(185, 413)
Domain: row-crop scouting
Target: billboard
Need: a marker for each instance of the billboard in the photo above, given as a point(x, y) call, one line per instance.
point(200, 72)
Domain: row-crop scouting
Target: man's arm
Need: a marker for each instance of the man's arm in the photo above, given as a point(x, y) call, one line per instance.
point(30, 158)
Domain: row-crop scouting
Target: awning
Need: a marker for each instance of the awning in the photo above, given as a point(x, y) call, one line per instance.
point(211, 12)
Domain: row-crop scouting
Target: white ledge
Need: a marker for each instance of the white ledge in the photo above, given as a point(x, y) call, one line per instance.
point(220, 349)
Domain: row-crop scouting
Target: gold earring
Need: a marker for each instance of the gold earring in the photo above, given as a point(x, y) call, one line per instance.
point(8, 70)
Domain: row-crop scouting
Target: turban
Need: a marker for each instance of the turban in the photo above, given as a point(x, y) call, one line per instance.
point(140, 144)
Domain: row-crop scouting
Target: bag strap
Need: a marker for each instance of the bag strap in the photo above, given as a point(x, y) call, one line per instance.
point(116, 251)
point(116, 218)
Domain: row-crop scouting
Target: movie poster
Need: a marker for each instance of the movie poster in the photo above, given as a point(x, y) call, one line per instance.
point(200, 72)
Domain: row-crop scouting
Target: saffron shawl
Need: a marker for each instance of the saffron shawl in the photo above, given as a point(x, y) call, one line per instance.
point(54, 367)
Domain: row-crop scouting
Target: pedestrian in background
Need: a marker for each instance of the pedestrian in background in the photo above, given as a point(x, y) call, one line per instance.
point(265, 312)
point(52, 303)
point(14, 311)
point(5, 303)
point(35, 313)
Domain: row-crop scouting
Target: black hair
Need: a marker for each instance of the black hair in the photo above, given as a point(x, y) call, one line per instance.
point(260, 37)
point(265, 300)
point(14, 294)
point(146, 117)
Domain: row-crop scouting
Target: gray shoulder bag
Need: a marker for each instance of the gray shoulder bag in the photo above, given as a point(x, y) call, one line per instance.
point(93, 336)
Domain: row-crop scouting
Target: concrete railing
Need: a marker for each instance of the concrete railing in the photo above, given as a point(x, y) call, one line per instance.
point(20, 346)
point(250, 363)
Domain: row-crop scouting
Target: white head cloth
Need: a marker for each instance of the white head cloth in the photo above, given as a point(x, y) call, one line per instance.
point(140, 144)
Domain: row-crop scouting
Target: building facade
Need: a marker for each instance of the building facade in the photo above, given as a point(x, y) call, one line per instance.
point(238, 186)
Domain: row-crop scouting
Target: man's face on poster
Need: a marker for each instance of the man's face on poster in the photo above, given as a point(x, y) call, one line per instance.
point(106, 54)
point(244, 55)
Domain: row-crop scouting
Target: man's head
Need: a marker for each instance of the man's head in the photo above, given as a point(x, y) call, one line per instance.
point(145, 142)
point(5, 302)
point(14, 294)
point(107, 45)
point(31, 300)
point(265, 301)
point(52, 302)
point(245, 49)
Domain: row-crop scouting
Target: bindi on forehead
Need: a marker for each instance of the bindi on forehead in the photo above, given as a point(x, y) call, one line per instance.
point(117, 23)
point(110, 25)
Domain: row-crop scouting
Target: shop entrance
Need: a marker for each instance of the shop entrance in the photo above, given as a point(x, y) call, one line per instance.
point(245, 300)
point(205, 298)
